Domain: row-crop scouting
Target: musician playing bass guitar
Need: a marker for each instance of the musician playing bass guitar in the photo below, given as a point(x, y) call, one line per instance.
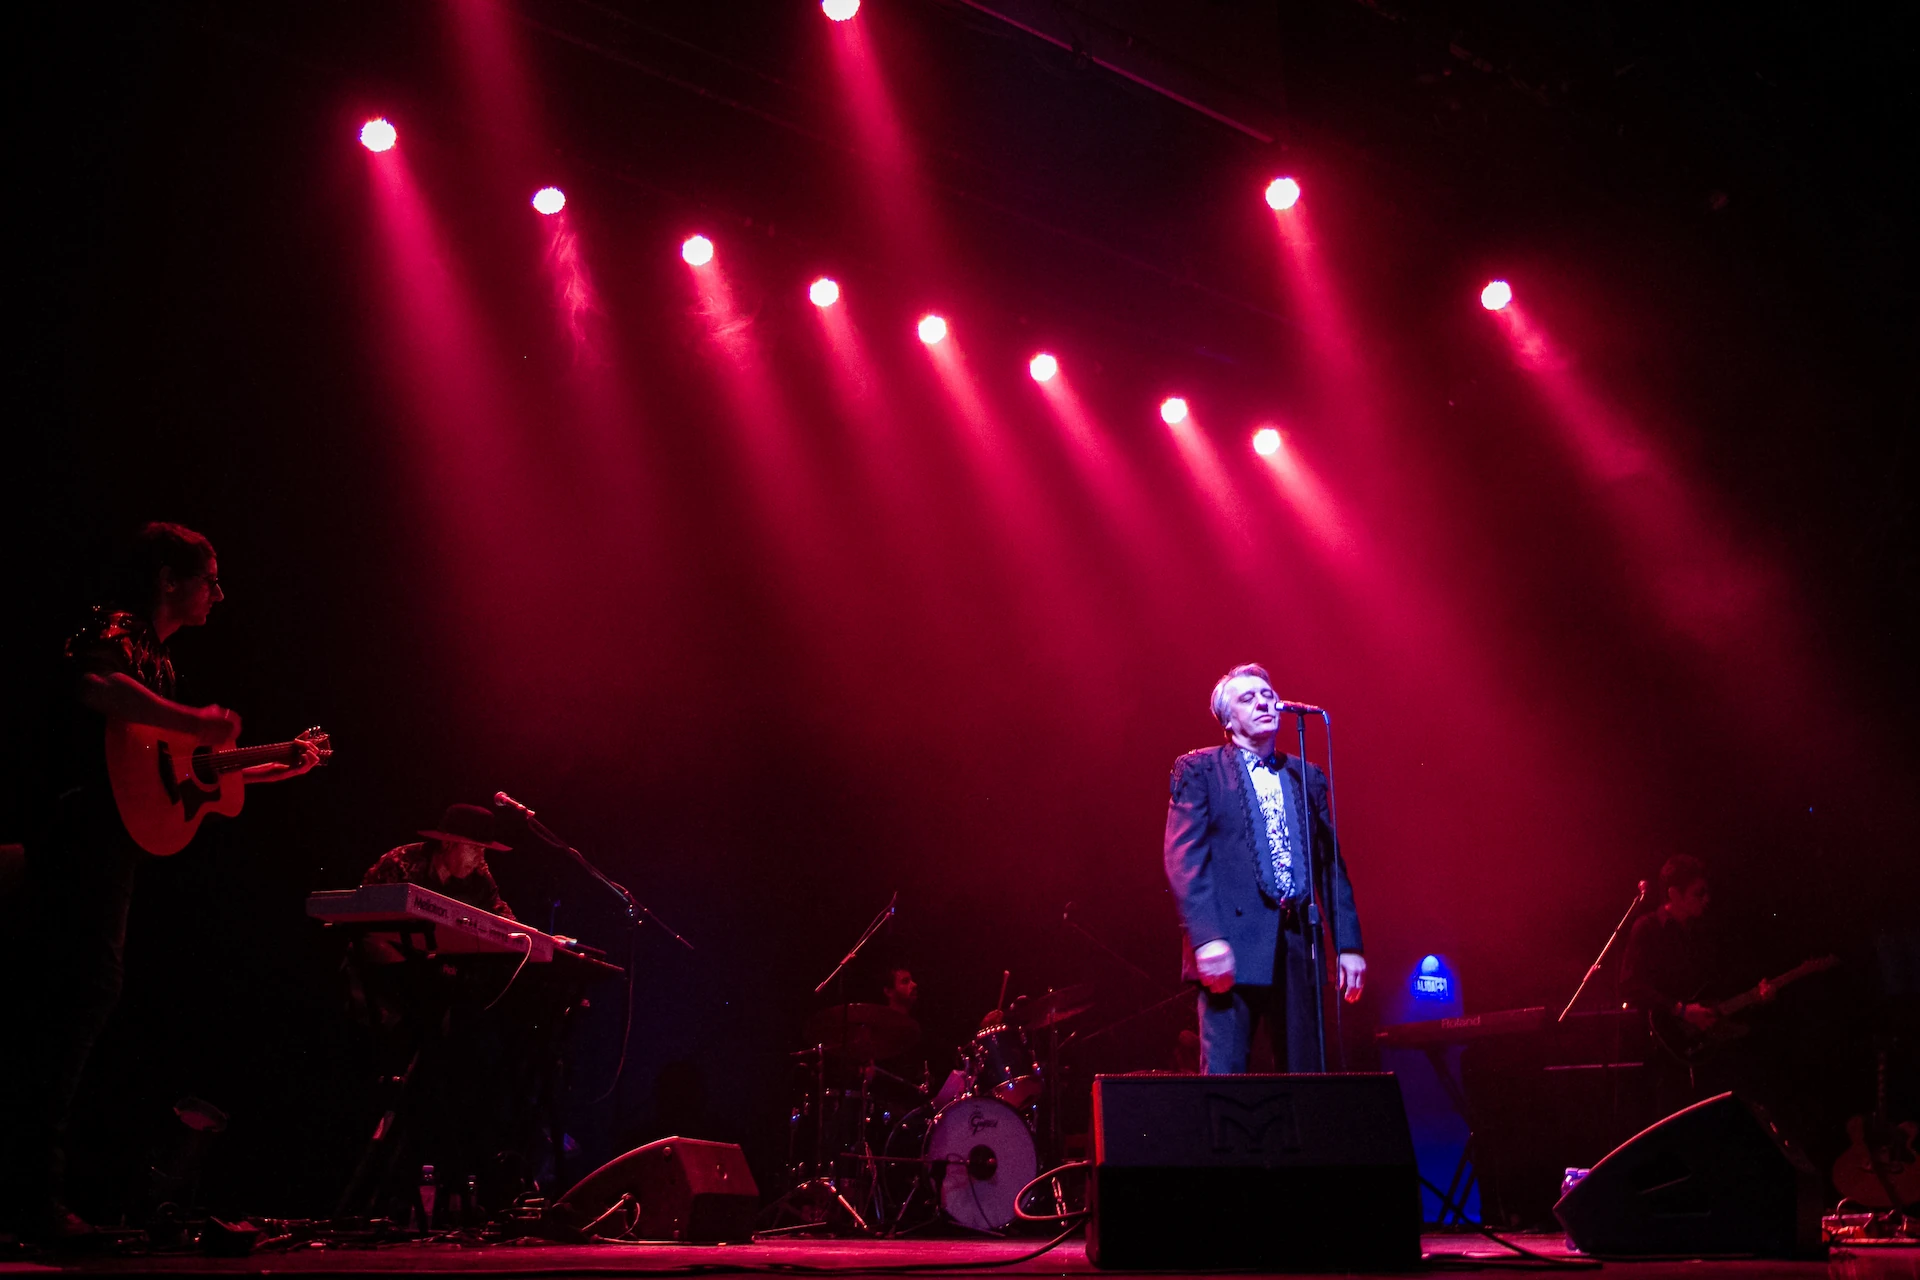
point(82, 859)
point(1670, 959)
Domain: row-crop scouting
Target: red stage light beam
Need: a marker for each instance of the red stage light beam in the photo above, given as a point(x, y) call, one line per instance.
point(1043, 367)
point(933, 330)
point(840, 10)
point(378, 135)
point(696, 251)
point(549, 200)
point(823, 292)
point(1496, 295)
point(1266, 442)
point(1173, 411)
point(1282, 193)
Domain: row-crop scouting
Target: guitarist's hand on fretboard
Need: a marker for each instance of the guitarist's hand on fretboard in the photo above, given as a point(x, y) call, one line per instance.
point(1700, 1015)
point(313, 751)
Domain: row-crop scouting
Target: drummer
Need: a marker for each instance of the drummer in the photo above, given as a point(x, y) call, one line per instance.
point(901, 993)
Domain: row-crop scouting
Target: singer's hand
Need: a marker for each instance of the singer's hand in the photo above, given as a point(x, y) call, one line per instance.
point(1350, 976)
point(1215, 962)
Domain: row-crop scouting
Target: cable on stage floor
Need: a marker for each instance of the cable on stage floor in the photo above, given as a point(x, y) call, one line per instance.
point(1528, 1259)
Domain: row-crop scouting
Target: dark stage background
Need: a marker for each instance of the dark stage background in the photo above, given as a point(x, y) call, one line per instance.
point(772, 630)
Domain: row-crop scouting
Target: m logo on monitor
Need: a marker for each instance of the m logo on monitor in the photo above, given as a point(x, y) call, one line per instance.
point(1252, 1127)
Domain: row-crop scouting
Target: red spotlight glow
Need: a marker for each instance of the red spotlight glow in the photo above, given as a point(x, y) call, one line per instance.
point(378, 135)
point(823, 292)
point(932, 329)
point(1173, 411)
point(1496, 295)
point(697, 250)
point(549, 200)
point(1282, 193)
point(1043, 367)
point(839, 10)
point(1266, 442)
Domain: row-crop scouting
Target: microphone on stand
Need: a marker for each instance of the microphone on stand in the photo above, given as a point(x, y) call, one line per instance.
point(501, 800)
point(1299, 709)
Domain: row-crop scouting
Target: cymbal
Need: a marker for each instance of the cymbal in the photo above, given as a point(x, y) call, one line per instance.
point(863, 1031)
point(1052, 1008)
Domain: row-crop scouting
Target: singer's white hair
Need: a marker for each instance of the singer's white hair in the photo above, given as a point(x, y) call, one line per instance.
point(1219, 700)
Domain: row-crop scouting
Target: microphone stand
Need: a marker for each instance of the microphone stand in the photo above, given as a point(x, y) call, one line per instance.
point(886, 914)
point(1601, 959)
point(823, 1172)
point(1315, 942)
point(635, 908)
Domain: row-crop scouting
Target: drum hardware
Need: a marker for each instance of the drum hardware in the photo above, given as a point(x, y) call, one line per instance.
point(1051, 1009)
point(999, 1062)
point(860, 1033)
point(846, 1033)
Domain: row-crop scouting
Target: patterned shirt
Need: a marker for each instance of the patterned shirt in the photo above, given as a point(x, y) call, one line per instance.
point(413, 864)
point(117, 642)
point(1269, 786)
point(113, 642)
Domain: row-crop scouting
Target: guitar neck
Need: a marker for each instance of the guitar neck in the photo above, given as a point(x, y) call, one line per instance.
point(236, 758)
point(1734, 1004)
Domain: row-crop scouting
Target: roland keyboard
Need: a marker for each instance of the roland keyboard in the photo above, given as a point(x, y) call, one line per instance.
point(1476, 1026)
point(452, 927)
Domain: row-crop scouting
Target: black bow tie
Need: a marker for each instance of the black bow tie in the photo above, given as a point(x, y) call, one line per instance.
point(1271, 762)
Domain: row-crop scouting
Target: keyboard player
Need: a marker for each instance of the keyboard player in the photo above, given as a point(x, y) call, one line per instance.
point(451, 859)
point(467, 1115)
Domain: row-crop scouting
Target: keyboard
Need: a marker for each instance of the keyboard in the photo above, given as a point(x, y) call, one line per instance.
point(456, 928)
point(1501, 1022)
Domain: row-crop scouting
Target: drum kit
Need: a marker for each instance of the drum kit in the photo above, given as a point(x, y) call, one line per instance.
point(880, 1151)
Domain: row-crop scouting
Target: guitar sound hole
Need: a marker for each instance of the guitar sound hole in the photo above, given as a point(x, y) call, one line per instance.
point(201, 772)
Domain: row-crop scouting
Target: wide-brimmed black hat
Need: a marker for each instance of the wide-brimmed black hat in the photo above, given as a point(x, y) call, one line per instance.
point(467, 822)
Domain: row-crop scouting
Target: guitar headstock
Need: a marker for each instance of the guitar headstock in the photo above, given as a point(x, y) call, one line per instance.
point(317, 738)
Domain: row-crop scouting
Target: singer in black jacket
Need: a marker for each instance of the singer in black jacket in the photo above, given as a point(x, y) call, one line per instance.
point(1235, 855)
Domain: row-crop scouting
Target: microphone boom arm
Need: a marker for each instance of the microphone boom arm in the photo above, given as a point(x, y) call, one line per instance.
point(635, 908)
point(1601, 959)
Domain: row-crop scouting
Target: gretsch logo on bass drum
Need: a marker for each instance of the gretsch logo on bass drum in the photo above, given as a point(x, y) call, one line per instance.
point(981, 1120)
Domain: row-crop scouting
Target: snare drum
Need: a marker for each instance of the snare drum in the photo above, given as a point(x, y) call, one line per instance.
point(1000, 1063)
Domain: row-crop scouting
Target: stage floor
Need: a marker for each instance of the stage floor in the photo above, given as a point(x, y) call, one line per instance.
point(1453, 1253)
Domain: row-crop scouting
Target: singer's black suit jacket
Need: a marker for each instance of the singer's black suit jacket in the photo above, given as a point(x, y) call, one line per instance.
point(1215, 843)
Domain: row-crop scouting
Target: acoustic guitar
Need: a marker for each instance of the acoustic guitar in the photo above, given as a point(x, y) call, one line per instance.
point(1879, 1170)
point(165, 784)
point(1693, 1044)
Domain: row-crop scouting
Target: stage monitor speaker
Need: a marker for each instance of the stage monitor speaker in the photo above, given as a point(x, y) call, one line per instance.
point(1713, 1179)
point(687, 1190)
point(1279, 1172)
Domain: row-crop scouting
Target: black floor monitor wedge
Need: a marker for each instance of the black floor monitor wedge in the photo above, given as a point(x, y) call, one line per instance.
point(1711, 1180)
point(1284, 1172)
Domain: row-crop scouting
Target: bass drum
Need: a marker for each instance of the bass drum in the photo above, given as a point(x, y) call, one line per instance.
point(981, 1155)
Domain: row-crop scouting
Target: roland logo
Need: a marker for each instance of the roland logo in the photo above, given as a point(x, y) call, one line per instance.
point(1266, 1124)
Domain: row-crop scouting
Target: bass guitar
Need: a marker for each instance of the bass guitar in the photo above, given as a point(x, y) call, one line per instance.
point(1693, 1044)
point(165, 784)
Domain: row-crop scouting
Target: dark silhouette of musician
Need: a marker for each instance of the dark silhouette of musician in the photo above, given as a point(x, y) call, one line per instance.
point(1673, 958)
point(81, 862)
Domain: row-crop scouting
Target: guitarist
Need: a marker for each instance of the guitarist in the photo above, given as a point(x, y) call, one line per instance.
point(1670, 958)
point(82, 863)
